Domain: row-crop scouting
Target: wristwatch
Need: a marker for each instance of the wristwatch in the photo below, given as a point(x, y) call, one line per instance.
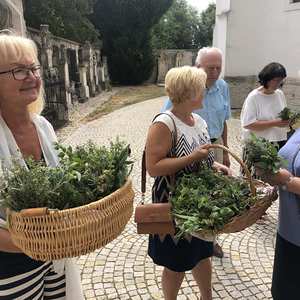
point(284, 186)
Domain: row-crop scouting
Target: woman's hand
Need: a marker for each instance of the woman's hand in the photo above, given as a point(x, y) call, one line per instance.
point(222, 168)
point(6, 244)
point(280, 178)
point(283, 123)
point(200, 152)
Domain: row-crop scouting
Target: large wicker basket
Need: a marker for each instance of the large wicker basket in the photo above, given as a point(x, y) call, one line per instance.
point(265, 198)
point(48, 234)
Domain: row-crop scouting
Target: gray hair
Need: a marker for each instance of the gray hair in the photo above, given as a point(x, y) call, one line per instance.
point(203, 51)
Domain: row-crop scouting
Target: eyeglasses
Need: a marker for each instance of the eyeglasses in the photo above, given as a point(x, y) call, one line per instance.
point(21, 73)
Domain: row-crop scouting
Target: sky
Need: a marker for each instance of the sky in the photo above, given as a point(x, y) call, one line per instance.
point(200, 4)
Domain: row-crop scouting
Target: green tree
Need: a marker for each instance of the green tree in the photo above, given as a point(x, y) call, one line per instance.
point(125, 26)
point(66, 18)
point(204, 36)
point(182, 27)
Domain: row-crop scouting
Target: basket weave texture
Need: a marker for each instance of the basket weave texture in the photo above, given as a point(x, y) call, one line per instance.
point(72, 232)
point(267, 194)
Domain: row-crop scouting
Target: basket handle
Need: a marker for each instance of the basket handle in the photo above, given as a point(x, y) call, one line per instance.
point(247, 172)
point(34, 212)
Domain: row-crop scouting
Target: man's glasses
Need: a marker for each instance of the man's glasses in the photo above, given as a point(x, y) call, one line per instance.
point(21, 73)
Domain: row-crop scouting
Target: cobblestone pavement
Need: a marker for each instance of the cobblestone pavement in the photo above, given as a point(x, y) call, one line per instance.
point(122, 269)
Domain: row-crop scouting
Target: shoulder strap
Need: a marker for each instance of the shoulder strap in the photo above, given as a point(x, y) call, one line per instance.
point(174, 142)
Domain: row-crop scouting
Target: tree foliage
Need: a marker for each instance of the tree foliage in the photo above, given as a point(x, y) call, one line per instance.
point(125, 26)
point(205, 33)
point(66, 18)
point(182, 27)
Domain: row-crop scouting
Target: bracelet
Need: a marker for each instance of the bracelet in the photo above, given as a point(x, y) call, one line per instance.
point(284, 186)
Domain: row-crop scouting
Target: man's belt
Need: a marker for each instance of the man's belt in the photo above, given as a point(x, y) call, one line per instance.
point(213, 140)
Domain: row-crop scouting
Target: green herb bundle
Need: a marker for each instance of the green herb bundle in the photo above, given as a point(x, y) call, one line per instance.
point(208, 200)
point(288, 114)
point(86, 173)
point(262, 154)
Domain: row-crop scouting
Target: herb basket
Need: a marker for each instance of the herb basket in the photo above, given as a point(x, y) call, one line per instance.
point(45, 234)
point(267, 194)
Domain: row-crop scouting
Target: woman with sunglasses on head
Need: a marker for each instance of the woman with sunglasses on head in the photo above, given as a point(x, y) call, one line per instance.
point(24, 133)
point(261, 108)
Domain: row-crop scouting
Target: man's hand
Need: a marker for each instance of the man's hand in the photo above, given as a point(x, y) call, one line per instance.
point(226, 160)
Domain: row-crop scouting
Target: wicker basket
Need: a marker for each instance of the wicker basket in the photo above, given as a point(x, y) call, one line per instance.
point(54, 234)
point(265, 198)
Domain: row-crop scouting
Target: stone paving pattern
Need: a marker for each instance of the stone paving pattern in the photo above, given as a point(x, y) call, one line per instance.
point(122, 269)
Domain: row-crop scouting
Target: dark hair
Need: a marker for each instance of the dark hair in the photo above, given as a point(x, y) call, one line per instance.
point(271, 71)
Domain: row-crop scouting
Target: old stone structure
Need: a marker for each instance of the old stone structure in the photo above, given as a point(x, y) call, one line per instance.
point(72, 72)
point(11, 16)
point(169, 58)
point(248, 45)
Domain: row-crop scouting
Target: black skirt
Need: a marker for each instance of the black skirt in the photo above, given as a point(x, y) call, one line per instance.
point(286, 270)
point(178, 257)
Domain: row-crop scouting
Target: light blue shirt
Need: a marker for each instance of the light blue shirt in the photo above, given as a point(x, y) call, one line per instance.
point(289, 203)
point(216, 108)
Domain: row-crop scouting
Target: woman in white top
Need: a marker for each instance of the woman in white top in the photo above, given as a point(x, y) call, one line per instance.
point(262, 106)
point(24, 133)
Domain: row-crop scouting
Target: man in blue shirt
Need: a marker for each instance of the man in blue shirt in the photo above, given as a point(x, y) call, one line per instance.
point(216, 107)
point(216, 103)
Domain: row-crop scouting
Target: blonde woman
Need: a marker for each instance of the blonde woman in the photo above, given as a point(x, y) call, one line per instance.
point(185, 86)
point(24, 133)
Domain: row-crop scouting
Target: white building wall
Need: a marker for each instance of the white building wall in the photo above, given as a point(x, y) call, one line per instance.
point(220, 29)
point(259, 32)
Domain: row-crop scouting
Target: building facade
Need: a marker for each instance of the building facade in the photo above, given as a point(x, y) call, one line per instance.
point(254, 33)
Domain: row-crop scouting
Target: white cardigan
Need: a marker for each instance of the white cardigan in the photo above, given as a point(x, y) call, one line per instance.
point(9, 152)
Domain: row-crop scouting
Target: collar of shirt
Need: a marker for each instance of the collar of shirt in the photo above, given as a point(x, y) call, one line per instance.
point(213, 89)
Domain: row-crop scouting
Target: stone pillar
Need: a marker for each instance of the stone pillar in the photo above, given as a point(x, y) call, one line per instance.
point(84, 92)
point(96, 60)
point(105, 75)
point(46, 50)
point(11, 16)
point(84, 88)
point(179, 59)
point(88, 61)
point(163, 67)
point(64, 71)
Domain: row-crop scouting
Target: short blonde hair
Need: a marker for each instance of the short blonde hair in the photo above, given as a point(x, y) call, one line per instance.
point(15, 48)
point(184, 83)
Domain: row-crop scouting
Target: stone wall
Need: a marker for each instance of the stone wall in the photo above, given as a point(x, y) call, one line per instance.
point(292, 93)
point(11, 16)
point(72, 72)
point(241, 86)
point(170, 58)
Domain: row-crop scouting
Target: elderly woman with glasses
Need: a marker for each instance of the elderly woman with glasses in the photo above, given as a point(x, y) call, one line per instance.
point(262, 106)
point(24, 133)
